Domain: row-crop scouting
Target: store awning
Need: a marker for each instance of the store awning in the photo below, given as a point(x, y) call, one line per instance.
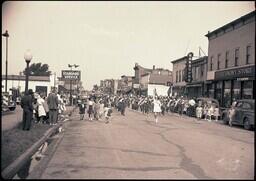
point(194, 85)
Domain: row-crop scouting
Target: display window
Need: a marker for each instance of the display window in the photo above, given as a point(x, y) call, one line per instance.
point(236, 89)
point(247, 90)
point(227, 94)
point(218, 91)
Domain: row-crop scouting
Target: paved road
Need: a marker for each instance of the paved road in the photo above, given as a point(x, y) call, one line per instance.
point(133, 146)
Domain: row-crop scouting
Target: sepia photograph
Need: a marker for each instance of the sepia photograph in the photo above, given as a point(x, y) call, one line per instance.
point(128, 90)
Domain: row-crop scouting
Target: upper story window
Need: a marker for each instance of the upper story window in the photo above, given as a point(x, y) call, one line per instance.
point(202, 70)
point(180, 76)
point(226, 59)
point(176, 76)
point(236, 56)
point(211, 63)
point(248, 54)
point(218, 62)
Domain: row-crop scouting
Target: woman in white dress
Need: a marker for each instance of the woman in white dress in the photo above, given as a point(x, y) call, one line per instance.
point(41, 110)
point(157, 108)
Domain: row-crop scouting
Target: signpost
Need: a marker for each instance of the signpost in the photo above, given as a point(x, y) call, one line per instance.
point(71, 74)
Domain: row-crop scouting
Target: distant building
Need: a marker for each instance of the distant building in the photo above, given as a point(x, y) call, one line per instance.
point(231, 61)
point(156, 76)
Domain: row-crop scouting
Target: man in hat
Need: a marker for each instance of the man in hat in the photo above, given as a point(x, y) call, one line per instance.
point(26, 104)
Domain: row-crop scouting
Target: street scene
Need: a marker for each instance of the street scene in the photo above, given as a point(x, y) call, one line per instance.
point(128, 90)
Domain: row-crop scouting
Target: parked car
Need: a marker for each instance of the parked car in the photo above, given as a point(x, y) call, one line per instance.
point(7, 103)
point(244, 114)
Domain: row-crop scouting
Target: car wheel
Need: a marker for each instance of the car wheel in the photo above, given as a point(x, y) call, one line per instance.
point(247, 125)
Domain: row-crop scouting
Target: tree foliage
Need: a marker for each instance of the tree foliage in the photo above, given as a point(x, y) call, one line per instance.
point(38, 69)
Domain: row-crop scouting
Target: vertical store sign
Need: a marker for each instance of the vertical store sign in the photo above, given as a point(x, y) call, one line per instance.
point(189, 67)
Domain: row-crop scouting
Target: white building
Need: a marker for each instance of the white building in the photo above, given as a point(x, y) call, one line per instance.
point(36, 83)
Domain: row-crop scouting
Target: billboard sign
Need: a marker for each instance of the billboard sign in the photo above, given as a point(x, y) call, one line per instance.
point(71, 74)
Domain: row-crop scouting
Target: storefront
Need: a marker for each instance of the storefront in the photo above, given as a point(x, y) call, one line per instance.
point(195, 90)
point(232, 84)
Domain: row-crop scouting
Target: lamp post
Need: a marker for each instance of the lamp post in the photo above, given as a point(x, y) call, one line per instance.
point(6, 35)
point(27, 56)
point(70, 90)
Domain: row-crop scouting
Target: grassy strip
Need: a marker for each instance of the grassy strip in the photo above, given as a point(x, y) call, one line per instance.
point(16, 141)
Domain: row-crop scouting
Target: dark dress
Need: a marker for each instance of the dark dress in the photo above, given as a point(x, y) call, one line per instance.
point(82, 108)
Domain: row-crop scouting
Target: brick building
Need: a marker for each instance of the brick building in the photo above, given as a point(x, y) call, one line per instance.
point(231, 61)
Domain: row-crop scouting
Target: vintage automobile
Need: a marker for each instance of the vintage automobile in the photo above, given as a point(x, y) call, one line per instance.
point(7, 103)
point(244, 114)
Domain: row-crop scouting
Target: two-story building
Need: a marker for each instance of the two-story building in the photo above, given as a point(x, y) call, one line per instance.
point(179, 84)
point(196, 88)
point(231, 61)
point(145, 77)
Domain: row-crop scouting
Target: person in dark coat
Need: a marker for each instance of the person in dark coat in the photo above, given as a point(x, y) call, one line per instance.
point(26, 104)
point(52, 102)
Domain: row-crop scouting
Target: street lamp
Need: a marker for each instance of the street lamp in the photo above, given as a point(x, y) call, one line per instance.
point(70, 96)
point(6, 34)
point(27, 56)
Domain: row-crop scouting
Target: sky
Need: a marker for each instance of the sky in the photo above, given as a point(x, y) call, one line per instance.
point(107, 38)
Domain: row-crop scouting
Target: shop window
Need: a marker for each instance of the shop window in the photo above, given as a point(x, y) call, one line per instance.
point(226, 60)
point(202, 70)
point(236, 90)
point(247, 92)
point(218, 91)
point(248, 54)
point(246, 105)
point(176, 76)
point(236, 56)
point(227, 94)
point(210, 90)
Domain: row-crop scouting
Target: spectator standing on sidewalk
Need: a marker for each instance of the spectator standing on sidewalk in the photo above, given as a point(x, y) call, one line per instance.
point(231, 113)
point(26, 105)
point(199, 111)
point(46, 108)
point(52, 102)
point(40, 108)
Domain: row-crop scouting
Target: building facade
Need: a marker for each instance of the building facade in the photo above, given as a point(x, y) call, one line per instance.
point(231, 61)
point(179, 84)
point(155, 76)
point(42, 84)
point(197, 87)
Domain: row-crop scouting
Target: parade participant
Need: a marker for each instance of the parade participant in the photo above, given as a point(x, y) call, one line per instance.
point(123, 106)
point(82, 107)
point(26, 105)
point(96, 109)
point(52, 102)
point(107, 112)
point(157, 108)
point(90, 108)
point(101, 111)
point(40, 107)
point(210, 112)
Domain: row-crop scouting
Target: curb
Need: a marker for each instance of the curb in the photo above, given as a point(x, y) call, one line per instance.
point(10, 171)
